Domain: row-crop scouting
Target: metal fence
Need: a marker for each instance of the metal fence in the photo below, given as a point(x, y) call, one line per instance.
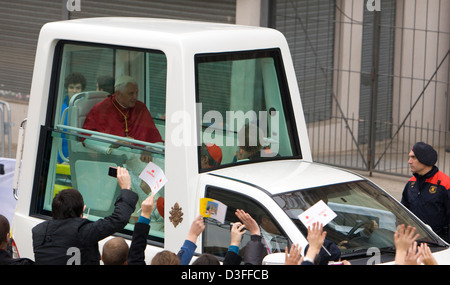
point(373, 78)
point(5, 129)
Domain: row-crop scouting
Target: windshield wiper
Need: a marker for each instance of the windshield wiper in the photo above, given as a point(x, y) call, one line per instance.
point(355, 253)
point(432, 243)
point(365, 252)
point(387, 250)
point(390, 249)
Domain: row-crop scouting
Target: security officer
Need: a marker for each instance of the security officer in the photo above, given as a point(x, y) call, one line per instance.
point(426, 193)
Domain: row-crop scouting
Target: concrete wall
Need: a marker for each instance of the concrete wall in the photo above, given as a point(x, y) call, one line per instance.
point(421, 44)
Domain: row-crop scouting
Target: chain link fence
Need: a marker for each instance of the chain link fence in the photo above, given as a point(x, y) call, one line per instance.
point(373, 78)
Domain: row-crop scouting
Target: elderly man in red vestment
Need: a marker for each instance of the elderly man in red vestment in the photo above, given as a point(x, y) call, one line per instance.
point(121, 114)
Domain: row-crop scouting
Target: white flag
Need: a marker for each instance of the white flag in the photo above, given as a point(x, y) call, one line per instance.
point(153, 176)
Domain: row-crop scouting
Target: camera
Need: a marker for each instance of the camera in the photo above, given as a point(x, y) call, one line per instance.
point(112, 171)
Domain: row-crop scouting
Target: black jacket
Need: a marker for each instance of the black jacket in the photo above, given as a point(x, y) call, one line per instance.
point(6, 259)
point(427, 196)
point(253, 253)
point(59, 242)
point(136, 254)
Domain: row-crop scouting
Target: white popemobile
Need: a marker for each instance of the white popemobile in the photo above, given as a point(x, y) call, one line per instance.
point(203, 83)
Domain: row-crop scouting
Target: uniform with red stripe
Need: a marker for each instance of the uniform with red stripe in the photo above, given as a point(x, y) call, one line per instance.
point(426, 193)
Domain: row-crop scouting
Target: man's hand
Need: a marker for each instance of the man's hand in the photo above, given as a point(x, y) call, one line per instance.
point(249, 222)
point(427, 256)
point(197, 227)
point(403, 239)
point(146, 157)
point(294, 256)
point(414, 255)
point(123, 178)
point(316, 238)
point(147, 206)
point(237, 231)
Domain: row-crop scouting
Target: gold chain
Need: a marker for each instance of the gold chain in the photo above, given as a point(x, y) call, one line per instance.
point(124, 117)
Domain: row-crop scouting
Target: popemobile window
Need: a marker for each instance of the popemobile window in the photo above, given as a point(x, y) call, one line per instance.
point(109, 111)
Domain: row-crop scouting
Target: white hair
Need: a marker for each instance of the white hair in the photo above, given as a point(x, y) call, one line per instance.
point(123, 81)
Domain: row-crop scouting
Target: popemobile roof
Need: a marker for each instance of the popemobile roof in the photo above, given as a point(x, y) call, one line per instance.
point(287, 175)
point(145, 32)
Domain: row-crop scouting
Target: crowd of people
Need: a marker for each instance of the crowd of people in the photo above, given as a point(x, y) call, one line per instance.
point(69, 230)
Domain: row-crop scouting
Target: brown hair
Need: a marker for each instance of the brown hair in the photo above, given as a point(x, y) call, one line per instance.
point(4, 229)
point(115, 251)
point(165, 257)
point(68, 203)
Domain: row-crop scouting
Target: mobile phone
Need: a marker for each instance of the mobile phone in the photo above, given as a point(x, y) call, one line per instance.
point(231, 226)
point(112, 171)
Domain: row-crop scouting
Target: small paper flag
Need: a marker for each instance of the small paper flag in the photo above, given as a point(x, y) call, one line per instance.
point(153, 176)
point(210, 208)
point(319, 212)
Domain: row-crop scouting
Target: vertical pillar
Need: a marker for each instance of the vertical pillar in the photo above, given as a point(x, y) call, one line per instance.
point(248, 12)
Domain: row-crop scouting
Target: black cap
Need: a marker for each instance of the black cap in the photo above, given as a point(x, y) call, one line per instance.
point(425, 153)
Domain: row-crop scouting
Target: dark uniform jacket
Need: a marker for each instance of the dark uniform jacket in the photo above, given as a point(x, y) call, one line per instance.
point(427, 196)
point(57, 242)
point(6, 259)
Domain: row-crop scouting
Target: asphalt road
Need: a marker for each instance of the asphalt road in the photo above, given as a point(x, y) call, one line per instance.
point(392, 184)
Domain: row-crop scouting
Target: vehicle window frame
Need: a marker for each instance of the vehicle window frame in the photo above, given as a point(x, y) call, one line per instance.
point(261, 208)
point(363, 186)
point(289, 117)
point(46, 141)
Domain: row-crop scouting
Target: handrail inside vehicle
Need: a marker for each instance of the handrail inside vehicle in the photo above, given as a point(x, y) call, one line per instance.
point(112, 138)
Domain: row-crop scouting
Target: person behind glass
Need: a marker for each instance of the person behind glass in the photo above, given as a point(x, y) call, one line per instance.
point(105, 83)
point(68, 238)
point(254, 250)
point(232, 256)
point(249, 140)
point(122, 114)
point(5, 256)
point(271, 237)
point(426, 193)
point(74, 83)
point(211, 155)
